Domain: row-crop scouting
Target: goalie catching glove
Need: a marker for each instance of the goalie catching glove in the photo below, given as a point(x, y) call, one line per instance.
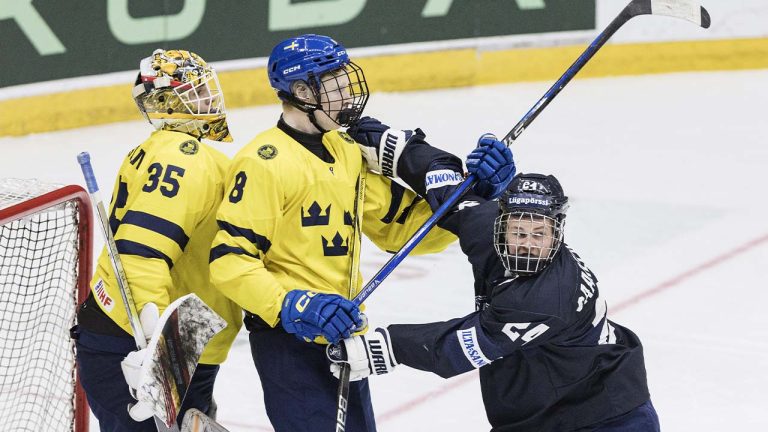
point(369, 354)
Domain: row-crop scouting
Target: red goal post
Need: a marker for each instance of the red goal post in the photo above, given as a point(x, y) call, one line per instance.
point(45, 268)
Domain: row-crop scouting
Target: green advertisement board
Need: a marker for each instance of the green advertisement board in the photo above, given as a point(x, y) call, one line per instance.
point(43, 40)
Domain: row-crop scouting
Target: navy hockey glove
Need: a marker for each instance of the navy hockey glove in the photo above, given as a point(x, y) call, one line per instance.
point(369, 354)
point(493, 164)
point(309, 314)
point(381, 145)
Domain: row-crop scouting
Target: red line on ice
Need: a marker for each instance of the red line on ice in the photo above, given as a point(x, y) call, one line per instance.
point(711, 263)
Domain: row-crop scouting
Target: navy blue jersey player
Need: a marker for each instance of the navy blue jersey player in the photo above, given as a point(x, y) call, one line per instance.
point(549, 357)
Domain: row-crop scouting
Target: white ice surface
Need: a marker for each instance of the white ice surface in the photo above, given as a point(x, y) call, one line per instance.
point(667, 176)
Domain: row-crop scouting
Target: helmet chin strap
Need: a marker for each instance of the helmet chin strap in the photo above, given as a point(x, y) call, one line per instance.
point(313, 120)
point(304, 107)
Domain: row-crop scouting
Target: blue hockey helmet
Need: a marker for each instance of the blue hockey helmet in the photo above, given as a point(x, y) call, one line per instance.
point(315, 59)
point(529, 231)
point(296, 58)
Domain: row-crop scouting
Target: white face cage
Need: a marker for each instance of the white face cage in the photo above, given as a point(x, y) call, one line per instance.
point(204, 97)
point(526, 242)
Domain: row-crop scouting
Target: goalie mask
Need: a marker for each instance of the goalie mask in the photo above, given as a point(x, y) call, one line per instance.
point(338, 86)
point(177, 90)
point(529, 231)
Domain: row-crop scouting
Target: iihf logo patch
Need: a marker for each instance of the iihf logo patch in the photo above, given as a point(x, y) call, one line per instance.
point(267, 151)
point(102, 296)
point(189, 147)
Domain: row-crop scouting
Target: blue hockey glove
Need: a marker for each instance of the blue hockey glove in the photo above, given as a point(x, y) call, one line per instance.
point(493, 164)
point(309, 314)
point(380, 145)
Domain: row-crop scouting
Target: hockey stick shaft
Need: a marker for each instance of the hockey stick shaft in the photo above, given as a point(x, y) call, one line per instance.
point(684, 9)
point(84, 159)
point(342, 398)
point(342, 393)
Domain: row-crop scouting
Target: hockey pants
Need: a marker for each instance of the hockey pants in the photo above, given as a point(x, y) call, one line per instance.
point(299, 389)
point(640, 419)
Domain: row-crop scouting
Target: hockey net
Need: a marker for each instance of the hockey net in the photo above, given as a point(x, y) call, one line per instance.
point(45, 256)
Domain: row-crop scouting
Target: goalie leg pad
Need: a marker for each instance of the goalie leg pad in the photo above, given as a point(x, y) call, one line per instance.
point(196, 421)
point(200, 393)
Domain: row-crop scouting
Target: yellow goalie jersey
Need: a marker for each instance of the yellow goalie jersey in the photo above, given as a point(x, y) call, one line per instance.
point(163, 218)
point(287, 221)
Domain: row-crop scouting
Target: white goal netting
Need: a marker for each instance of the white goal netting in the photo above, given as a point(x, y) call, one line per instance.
point(41, 265)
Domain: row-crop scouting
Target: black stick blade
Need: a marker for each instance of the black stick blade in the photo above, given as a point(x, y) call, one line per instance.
point(705, 20)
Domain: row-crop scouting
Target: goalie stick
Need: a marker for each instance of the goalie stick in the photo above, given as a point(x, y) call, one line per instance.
point(173, 349)
point(688, 10)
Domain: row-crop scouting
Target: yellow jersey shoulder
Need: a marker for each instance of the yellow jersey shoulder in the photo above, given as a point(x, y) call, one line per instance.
point(183, 149)
point(270, 145)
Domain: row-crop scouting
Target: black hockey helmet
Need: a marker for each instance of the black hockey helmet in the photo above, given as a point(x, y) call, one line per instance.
point(529, 229)
point(534, 193)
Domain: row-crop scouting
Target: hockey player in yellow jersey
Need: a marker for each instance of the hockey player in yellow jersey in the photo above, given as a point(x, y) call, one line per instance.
point(298, 197)
point(162, 216)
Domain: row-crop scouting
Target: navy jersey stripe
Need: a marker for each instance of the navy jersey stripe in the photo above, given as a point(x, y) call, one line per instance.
point(128, 247)
point(407, 210)
point(222, 249)
point(397, 192)
point(258, 240)
point(157, 224)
